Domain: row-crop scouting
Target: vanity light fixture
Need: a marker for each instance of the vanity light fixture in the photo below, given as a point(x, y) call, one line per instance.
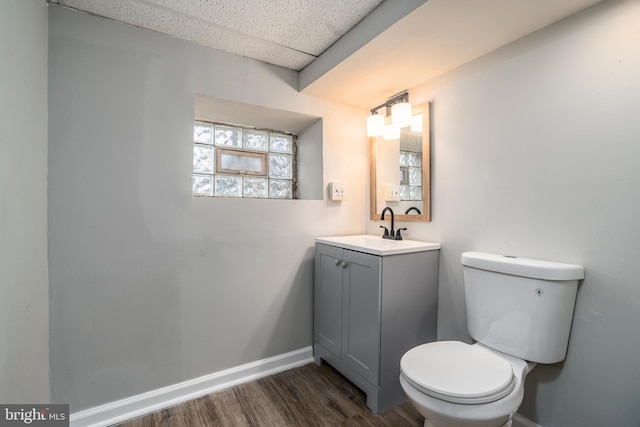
point(375, 124)
point(400, 116)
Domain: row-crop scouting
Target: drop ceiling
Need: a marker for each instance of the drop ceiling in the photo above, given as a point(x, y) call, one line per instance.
point(358, 52)
point(289, 33)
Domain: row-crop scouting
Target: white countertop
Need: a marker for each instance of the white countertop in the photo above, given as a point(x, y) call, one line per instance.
point(376, 245)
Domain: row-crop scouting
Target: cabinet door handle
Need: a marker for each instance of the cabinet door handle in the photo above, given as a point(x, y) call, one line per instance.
point(337, 262)
point(344, 264)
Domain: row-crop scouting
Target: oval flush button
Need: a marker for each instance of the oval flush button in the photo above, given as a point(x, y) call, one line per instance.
point(539, 292)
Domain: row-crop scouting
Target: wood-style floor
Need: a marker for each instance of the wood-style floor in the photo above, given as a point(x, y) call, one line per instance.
point(308, 396)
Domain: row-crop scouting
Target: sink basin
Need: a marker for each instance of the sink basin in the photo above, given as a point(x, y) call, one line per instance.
point(376, 245)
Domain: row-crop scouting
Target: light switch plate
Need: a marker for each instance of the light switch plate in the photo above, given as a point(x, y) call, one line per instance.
point(336, 191)
point(392, 193)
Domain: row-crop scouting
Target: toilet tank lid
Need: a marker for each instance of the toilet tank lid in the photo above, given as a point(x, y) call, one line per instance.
point(526, 267)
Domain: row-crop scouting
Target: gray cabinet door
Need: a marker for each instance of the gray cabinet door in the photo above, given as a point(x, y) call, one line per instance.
point(327, 315)
point(361, 314)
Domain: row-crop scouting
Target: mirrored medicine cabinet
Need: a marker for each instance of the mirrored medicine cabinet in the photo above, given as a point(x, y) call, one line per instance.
point(400, 171)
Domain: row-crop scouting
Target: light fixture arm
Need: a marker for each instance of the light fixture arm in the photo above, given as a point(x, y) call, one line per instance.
point(400, 97)
point(400, 117)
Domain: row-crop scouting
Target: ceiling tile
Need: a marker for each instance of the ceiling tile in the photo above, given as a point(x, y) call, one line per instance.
point(289, 33)
point(309, 26)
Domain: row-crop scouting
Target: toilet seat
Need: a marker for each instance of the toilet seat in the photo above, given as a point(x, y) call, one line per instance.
point(458, 372)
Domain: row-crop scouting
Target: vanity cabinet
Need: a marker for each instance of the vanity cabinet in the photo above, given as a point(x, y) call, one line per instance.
point(369, 309)
point(347, 308)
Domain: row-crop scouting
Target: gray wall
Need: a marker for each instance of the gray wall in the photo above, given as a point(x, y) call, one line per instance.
point(536, 152)
point(24, 293)
point(150, 286)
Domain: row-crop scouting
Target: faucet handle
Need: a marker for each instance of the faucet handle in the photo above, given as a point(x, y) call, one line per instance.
point(399, 234)
point(386, 230)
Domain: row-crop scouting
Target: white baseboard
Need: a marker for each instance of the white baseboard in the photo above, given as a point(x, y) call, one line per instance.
point(520, 421)
point(155, 400)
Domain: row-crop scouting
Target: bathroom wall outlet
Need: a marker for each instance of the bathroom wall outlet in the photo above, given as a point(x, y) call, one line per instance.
point(392, 193)
point(336, 191)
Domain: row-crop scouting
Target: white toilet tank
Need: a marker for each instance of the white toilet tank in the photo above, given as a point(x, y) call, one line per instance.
point(520, 306)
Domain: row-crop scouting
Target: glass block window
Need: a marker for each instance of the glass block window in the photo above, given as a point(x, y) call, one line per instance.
point(233, 161)
point(410, 175)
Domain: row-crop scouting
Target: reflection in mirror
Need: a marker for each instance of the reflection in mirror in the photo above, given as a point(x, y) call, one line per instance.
point(400, 171)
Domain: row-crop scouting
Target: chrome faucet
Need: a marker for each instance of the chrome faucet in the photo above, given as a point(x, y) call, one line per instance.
point(390, 234)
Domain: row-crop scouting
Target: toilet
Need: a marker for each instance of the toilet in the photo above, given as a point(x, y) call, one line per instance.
point(519, 312)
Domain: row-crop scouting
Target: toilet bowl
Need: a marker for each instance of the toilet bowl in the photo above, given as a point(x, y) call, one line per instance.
point(455, 384)
point(519, 311)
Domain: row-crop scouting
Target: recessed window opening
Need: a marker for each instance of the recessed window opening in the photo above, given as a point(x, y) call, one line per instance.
point(236, 161)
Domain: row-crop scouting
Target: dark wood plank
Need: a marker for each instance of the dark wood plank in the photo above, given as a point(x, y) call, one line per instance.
point(313, 396)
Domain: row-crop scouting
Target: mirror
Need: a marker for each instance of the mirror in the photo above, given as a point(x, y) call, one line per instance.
point(400, 172)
